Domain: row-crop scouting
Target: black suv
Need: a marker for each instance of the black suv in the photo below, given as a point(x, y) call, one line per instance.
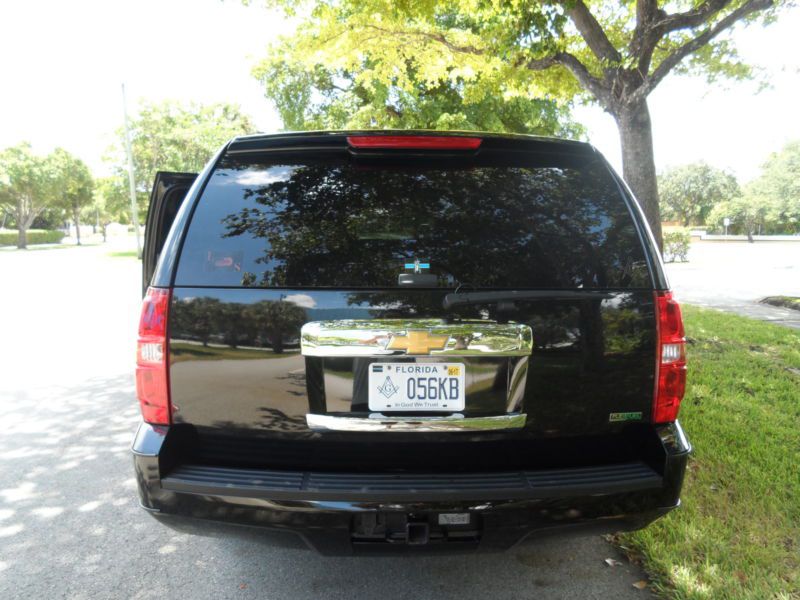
point(406, 340)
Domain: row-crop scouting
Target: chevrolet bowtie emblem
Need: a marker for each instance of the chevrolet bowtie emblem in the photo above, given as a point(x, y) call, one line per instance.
point(417, 342)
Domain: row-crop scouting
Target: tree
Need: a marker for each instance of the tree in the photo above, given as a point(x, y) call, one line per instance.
point(73, 185)
point(26, 186)
point(113, 196)
point(336, 99)
point(688, 193)
point(274, 321)
point(167, 136)
point(611, 53)
point(748, 214)
point(770, 203)
point(779, 183)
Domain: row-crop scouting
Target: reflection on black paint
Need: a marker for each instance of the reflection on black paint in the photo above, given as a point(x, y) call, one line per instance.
point(599, 351)
point(262, 324)
point(335, 224)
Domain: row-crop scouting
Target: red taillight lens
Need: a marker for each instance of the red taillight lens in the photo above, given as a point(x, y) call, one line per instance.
point(670, 359)
point(418, 142)
point(152, 381)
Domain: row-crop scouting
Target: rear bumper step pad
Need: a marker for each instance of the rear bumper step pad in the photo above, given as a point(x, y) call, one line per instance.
point(295, 485)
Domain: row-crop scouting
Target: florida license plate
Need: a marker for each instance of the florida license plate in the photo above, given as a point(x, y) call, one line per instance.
point(416, 387)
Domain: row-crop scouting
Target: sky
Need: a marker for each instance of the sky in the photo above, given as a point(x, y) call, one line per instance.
point(63, 64)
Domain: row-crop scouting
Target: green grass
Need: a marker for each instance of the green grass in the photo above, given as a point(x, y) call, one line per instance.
point(737, 534)
point(124, 254)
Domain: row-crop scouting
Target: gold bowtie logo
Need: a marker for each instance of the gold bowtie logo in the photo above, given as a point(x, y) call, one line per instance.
point(417, 342)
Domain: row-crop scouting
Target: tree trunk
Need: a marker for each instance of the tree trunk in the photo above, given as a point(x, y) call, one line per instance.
point(276, 341)
point(638, 162)
point(22, 237)
point(76, 216)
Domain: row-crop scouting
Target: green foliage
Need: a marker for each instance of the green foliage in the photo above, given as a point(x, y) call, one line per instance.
point(736, 533)
point(73, 185)
point(112, 199)
point(27, 184)
point(320, 98)
point(771, 203)
point(747, 213)
point(73, 181)
point(454, 63)
point(42, 188)
point(689, 193)
point(676, 245)
point(779, 188)
point(382, 48)
point(34, 237)
point(168, 136)
point(49, 218)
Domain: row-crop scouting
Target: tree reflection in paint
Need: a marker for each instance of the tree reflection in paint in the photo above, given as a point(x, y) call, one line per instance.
point(266, 323)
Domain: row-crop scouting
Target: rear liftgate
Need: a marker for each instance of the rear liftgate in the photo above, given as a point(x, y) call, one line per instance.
point(416, 376)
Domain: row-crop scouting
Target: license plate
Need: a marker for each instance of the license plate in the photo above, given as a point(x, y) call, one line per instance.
point(416, 387)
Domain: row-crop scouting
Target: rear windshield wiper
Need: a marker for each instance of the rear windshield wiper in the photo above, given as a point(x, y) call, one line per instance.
point(455, 299)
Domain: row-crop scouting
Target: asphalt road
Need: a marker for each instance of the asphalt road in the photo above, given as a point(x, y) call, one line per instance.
point(70, 526)
point(734, 276)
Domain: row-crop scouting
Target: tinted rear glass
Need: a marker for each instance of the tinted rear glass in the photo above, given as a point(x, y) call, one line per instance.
point(338, 223)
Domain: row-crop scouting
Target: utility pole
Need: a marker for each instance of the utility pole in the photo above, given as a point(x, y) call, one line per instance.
point(131, 180)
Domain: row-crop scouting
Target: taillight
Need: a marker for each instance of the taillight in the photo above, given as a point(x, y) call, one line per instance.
point(417, 142)
point(671, 359)
point(152, 378)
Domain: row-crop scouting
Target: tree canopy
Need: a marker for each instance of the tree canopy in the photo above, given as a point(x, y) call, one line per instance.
point(611, 53)
point(168, 136)
point(780, 183)
point(323, 98)
point(73, 185)
point(689, 192)
point(771, 202)
point(32, 185)
point(27, 184)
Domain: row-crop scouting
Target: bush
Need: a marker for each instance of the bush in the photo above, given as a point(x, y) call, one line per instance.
point(9, 238)
point(676, 245)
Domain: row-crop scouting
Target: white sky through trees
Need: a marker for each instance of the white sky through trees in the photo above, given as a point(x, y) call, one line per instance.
point(63, 63)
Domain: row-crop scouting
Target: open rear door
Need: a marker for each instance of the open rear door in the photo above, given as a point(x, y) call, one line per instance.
point(169, 190)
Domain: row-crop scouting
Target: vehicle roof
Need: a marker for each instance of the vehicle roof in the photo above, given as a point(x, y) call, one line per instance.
point(332, 139)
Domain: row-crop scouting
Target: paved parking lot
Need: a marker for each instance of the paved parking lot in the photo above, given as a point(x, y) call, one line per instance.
point(734, 276)
point(70, 526)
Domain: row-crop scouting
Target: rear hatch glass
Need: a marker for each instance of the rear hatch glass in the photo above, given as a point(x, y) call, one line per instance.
point(337, 222)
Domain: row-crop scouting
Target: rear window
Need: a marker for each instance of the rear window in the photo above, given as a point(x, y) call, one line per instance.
point(342, 224)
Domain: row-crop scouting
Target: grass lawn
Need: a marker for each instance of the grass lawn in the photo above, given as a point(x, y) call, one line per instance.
point(737, 534)
point(124, 254)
